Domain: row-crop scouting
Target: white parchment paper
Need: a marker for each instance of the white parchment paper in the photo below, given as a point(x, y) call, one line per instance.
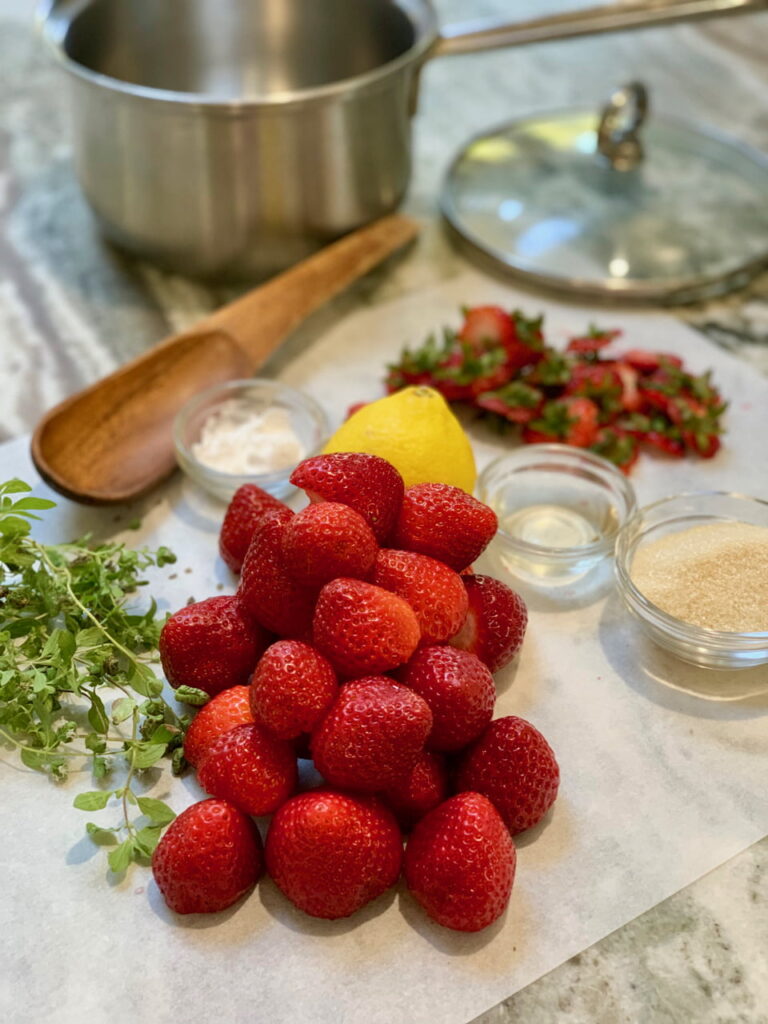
point(658, 786)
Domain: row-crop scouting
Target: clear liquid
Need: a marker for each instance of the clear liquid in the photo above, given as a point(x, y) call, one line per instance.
point(554, 529)
point(550, 526)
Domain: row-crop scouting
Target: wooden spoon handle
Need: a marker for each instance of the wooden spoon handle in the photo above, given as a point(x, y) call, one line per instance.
point(260, 320)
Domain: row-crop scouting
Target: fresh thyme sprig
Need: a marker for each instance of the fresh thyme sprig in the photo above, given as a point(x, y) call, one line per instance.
point(75, 669)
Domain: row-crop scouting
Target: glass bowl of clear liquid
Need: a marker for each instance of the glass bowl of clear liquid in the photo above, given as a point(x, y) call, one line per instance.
point(559, 509)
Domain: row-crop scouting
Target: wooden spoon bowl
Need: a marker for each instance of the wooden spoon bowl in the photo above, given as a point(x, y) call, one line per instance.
point(113, 441)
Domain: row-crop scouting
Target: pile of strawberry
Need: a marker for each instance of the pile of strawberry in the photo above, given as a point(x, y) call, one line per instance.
point(359, 637)
point(498, 362)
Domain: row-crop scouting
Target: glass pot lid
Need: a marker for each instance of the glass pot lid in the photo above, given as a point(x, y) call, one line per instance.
point(587, 204)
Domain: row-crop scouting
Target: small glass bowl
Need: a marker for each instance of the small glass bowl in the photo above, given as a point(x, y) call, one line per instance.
point(707, 648)
point(306, 416)
point(559, 509)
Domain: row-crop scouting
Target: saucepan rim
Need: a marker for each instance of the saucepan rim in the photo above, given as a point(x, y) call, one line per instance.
point(54, 21)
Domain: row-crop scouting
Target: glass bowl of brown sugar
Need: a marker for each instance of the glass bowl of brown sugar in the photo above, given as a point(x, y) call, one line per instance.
point(693, 570)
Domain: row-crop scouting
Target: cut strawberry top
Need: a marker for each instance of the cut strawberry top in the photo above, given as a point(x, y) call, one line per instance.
point(488, 324)
point(594, 340)
point(573, 421)
point(498, 362)
point(517, 401)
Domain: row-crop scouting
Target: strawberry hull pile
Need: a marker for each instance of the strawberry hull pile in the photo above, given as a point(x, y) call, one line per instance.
point(359, 637)
point(615, 405)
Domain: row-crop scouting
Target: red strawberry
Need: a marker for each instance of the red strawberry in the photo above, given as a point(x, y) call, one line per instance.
point(434, 591)
point(211, 645)
point(362, 628)
point(521, 339)
point(470, 367)
point(459, 690)
point(649, 362)
point(702, 389)
point(424, 788)
point(244, 515)
point(704, 444)
point(420, 366)
point(251, 768)
point(368, 484)
point(445, 523)
point(691, 403)
point(226, 710)
point(372, 736)
point(685, 410)
point(488, 323)
point(292, 688)
point(495, 623)
point(513, 765)
point(516, 401)
point(209, 857)
point(331, 853)
point(489, 349)
point(665, 443)
point(654, 431)
point(698, 424)
point(460, 863)
point(553, 370)
point(630, 394)
point(271, 596)
point(355, 407)
point(590, 343)
point(617, 446)
point(599, 382)
point(328, 540)
point(573, 421)
point(654, 396)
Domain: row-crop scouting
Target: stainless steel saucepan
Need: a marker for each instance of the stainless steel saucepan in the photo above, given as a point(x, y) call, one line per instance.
point(229, 138)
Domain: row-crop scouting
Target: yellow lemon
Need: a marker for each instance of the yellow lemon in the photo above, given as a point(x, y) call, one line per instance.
point(416, 431)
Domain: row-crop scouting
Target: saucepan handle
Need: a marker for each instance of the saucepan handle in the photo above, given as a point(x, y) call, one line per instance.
point(491, 34)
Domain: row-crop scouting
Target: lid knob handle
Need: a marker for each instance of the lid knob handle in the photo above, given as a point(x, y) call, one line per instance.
point(618, 136)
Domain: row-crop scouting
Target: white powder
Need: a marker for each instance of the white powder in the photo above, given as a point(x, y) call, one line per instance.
point(715, 576)
point(235, 439)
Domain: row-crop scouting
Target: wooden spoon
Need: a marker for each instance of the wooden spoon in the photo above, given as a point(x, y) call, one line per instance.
point(113, 441)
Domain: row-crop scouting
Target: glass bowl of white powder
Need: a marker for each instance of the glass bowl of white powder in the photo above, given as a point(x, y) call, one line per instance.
point(693, 569)
point(253, 431)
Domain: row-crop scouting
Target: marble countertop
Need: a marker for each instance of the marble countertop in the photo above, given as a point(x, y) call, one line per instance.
point(71, 309)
